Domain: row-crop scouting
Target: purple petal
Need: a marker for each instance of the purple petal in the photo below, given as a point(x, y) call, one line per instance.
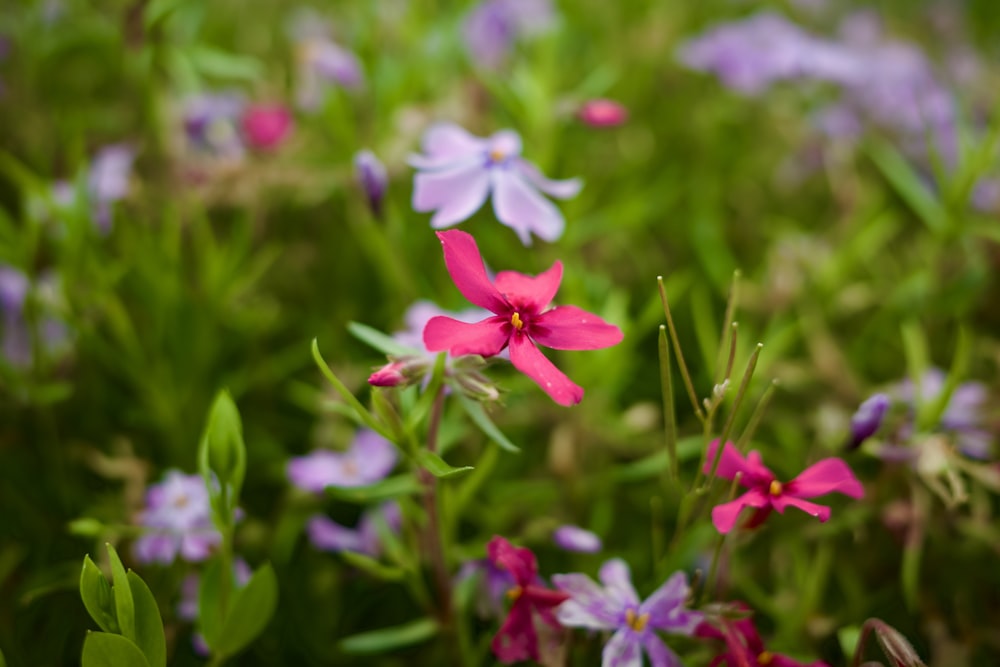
point(564, 189)
point(316, 471)
point(574, 538)
point(519, 206)
point(156, 548)
point(527, 359)
point(589, 605)
point(484, 338)
point(371, 456)
point(465, 265)
point(13, 289)
point(623, 650)
point(659, 654)
point(447, 140)
point(196, 547)
point(572, 328)
point(326, 535)
point(666, 607)
point(867, 420)
point(454, 193)
point(617, 579)
point(529, 293)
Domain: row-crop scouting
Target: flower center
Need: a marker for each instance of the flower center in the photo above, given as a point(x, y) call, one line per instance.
point(515, 593)
point(765, 658)
point(497, 155)
point(636, 621)
point(775, 488)
point(515, 319)
point(181, 501)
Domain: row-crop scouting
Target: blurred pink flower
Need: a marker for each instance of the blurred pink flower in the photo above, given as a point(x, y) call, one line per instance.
point(266, 126)
point(521, 319)
point(602, 113)
point(767, 493)
point(744, 646)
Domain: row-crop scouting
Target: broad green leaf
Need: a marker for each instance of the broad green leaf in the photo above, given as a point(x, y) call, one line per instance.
point(387, 639)
point(210, 617)
point(479, 417)
point(373, 567)
point(437, 466)
point(393, 487)
point(379, 341)
point(159, 10)
point(124, 605)
point(101, 649)
point(251, 610)
point(149, 635)
point(98, 597)
point(224, 65)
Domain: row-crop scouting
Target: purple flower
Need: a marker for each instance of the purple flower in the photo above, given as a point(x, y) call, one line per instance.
point(327, 535)
point(963, 416)
point(492, 583)
point(492, 28)
point(574, 538)
point(178, 519)
point(372, 178)
point(322, 63)
point(369, 459)
point(867, 420)
point(108, 180)
point(459, 171)
point(211, 124)
point(18, 338)
point(616, 607)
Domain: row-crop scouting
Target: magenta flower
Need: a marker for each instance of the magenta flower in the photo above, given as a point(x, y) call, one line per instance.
point(266, 126)
point(602, 113)
point(178, 519)
point(767, 493)
point(744, 647)
point(520, 320)
point(369, 459)
point(617, 607)
point(459, 171)
point(518, 638)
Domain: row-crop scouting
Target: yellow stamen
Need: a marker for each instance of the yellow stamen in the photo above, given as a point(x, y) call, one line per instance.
point(515, 593)
point(496, 155)
point(636, 621)
point(516, 321)
point(765, 658)
point(181, 501)
point(775, 489)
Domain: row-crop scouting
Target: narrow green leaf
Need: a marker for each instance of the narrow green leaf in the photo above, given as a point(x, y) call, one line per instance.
point(379, 341)
point(387, 639)
point(908, 185)
point(225, 65)
point(392, 487)
point(251, 611)
point(124, 606)
point(437, 466)
point(373, 567)
point(97, 596)
point(149, 635)
point(102, 649)
point(479, 417)
point(349, 397)
point(158, 10)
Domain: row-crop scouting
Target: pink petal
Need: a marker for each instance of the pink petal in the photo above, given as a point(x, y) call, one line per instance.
point(520, 207)
point(530, 293)
point(558, 189)
point(732, 462)
point(785, 500)
point(485, 338)
point(527, 359)
point(451, 141)
point(589, 605)
point(455, 193)
point(465, 264)
point(724, 516)
point(826, 476)
point(572, 328)
point(517, 639)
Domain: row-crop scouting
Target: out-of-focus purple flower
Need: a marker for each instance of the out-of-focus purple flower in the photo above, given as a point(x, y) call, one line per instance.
point(458, 171)
point(963, 416)
point(986, 195)
point(322, 63)
point(372, 178)
point(574, 538)
point(327, 535)
point(211, 124)
point(493, 582)
point(178, 521)
point(266, 126)
point(616, 606)
point(16, 336)
point(493, 26)
point(108, 180)
point(867, 420)
point(369, 459)
point(602, 113)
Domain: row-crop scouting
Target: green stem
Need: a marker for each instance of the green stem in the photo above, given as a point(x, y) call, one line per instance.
point(677, 350)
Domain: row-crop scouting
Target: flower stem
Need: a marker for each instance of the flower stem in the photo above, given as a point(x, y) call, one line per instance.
point(677, 350)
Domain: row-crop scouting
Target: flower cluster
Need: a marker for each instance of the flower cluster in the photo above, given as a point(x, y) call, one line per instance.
point(369, 459)
point(177, 521)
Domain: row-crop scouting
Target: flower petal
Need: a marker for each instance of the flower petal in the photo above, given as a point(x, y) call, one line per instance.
point(659, 654)
point(372, 456)
point(617, 579)
point(530, 293)
point(465, 265)
point(589, 605)
point(559, 189)
point(520, 207)
point(451, 141)
point(485, 338)
point(327, 535)
point(724, 516)
point(732, 462)
point(826, 476)
point(622, 650)
point(519, 561)
point(572, 328)
point(784, 500)
point(517, 639)
point(317, 470)
point(527, 359)
point(666, 607)
point(454, 193)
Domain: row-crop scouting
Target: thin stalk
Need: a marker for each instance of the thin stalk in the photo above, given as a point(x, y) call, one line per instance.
point(755, 417)
point(669, 417)
point(737, 402)
point(727, 329)
point(677, 350)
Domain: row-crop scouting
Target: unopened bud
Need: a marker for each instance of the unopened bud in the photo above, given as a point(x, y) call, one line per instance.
point(372, 178)
point(867, 420)
point(266, 126)
point(400, 371)
point(895, 646)
point(603, 113)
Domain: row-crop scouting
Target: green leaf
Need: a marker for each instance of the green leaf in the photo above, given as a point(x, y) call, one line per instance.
point(349, 397)
point(479, 417)
point(437, 466)
point(224, 65)
point(373, 567)
point(101, 649)
point(379, 341)
point(908, 185)
point(251, 610)
point(210, 615)
point(124, 606)
point(392, 487)
point(223, 452)
point(387, 639)
point(149, 635)
point(159, 10)
point(98, 597)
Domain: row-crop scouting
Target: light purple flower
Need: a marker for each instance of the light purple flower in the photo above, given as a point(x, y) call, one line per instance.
point(108, 180)
point(327, 535)
point(178, 519)
point(322, 62)
point(493, 26)
point(212, 124)
point(868, 418)
point(458, 171)
point(964, 414)
point(372, 178)
point(492, 584)
point(16, 335)
point(574, 538)
point(369, 459)
point(617, 607)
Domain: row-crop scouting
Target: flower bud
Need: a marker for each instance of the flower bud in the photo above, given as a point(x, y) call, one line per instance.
point(372, 178)
point(867, 420)
point(267, 126)
point(400, 371)
point(602, 113)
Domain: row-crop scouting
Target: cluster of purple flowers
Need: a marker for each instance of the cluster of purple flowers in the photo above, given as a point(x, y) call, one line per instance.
point(17, 335)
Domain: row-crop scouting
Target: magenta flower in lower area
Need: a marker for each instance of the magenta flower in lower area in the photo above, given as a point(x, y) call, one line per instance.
point(522, 319)
point(459, 171)
point(617, 607)
point(327, 535)
point(744, 647)
point(518, 636)
point(767, 493)
point(369, 459)
point(178, 521)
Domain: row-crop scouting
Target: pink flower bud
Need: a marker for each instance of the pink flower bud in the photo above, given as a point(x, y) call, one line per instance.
point(602, 113)
point(267, 126)
point(390, 375)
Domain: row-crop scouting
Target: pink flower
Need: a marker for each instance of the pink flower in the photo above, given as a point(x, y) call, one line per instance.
point(266, 126)
point(744, 647)
point(767, 493)
point(602, 113)
point(520, 320)
point(518, 638)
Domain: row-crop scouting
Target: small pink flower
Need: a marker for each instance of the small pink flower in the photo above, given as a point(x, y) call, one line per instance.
point(767, 493)
point(602, 113)
point(744, 646)
point(266, 126)
point(522, 319)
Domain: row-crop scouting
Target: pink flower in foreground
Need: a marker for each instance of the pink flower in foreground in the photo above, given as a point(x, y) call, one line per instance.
point(744, 647)
point(266, 126)
point(602, 113)
point(518, 638)
point(767, 493)
point(520, 319)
